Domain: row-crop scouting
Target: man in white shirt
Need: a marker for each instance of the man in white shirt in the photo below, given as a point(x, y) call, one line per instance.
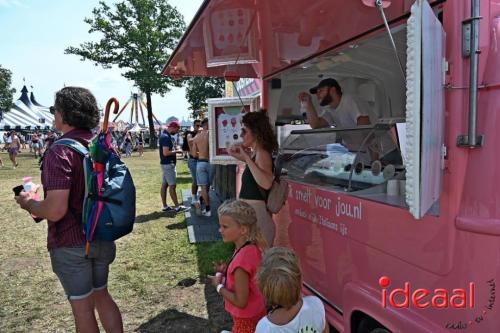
point(343, 110)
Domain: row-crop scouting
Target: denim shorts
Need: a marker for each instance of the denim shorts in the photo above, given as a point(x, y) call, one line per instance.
point(192, 167)
point(204, 173)
point(78, 275)
point(169, 174)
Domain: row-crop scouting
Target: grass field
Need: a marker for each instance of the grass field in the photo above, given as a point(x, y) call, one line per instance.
point(157, 279)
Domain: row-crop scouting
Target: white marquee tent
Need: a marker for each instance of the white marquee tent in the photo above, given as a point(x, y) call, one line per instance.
point(27, 113)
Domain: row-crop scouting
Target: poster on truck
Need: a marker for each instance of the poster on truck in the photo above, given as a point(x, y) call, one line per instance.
point(225, 116)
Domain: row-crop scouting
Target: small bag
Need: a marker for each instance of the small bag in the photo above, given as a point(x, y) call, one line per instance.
point(276, 197)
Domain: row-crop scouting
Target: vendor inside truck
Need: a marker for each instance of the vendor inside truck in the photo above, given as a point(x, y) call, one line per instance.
point(346, 111)
point(340, 110)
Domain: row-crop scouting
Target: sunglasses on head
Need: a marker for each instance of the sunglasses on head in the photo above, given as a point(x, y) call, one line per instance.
point(243, 131)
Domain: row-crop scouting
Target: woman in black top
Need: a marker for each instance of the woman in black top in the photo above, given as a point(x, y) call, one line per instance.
point(256, 150)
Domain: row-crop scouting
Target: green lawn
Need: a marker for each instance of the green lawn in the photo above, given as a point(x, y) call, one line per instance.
point(144, 278)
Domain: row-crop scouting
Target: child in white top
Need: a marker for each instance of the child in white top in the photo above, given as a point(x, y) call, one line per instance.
point(280, 281)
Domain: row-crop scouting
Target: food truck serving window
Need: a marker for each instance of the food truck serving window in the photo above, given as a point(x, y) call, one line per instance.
point(396, 159)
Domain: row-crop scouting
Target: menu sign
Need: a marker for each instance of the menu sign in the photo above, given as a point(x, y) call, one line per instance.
point(229, 126)
point(225, 116)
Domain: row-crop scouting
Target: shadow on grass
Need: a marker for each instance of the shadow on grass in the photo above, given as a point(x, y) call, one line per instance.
point(177, 226)
point(153, 216)
point(172, 320)
point(217, 315)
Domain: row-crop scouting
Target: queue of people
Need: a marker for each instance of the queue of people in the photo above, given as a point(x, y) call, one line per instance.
point(260, 284)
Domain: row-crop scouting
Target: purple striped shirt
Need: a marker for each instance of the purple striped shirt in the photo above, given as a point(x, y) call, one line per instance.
point(63, 170)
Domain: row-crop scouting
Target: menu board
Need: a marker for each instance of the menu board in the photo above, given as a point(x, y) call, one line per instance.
point(225, 117)
point(229, 126)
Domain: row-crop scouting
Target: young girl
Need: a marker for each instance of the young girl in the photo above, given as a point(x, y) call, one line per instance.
point(235, 282)
point(280, 281)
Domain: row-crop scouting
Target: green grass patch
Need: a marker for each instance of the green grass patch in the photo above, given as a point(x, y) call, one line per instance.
point(143, 280)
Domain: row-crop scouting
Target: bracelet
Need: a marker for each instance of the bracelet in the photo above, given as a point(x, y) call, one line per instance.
point(219, 287)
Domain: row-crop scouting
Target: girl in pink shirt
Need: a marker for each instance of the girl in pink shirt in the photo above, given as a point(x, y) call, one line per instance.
point(235, 282)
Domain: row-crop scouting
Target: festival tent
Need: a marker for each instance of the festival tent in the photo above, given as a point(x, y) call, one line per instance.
point(136, 128)
point(27, 113)
point(186, 124)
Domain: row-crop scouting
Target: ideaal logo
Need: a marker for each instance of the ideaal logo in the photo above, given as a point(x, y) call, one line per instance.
point(422, 298)
point(440, 298)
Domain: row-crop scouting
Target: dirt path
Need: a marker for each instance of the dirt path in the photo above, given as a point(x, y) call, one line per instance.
point(195, 308)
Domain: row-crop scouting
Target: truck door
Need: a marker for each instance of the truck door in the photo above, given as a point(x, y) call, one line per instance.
point(424, 109)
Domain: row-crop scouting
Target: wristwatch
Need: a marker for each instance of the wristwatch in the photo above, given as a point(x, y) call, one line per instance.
point(219, 287)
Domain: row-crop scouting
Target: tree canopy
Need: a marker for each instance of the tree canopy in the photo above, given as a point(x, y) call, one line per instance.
point(6, 92)
point(198, 89)
point(137, 36)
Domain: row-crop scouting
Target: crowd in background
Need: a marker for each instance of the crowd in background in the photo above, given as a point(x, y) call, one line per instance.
point(15, 143)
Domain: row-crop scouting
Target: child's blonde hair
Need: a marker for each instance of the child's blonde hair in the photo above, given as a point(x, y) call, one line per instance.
point(244, 214)
point(280, 277)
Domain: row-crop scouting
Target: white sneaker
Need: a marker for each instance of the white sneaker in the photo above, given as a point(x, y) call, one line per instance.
point(181, 209)
point(207, 214)
point(224, 331)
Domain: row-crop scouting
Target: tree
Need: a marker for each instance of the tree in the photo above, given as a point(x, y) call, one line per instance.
point(6, 92)
point(138, 36)
point(198, 89)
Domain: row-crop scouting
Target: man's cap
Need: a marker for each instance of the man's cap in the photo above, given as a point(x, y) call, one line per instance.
point(174, 124)
point(329, 82)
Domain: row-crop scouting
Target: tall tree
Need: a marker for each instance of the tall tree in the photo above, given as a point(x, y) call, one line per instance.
point(198, 89)
point(6, 92)
point(138, 36)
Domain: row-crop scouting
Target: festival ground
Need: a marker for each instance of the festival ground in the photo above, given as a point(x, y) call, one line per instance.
point(157, 279)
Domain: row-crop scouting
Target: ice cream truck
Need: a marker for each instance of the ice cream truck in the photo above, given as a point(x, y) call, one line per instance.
point(409, 243)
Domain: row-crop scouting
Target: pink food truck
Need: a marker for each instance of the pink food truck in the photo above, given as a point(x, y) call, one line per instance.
point(397, 222)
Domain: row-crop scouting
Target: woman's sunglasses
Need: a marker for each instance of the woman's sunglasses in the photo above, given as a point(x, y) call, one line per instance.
point(243, 131)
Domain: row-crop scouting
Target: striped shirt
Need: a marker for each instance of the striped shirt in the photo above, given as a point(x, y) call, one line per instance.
point(63, 170)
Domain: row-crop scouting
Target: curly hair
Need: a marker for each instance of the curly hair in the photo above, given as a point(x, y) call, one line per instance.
point(258, 123)
point(280, 278)
point(244, 214)
point(78, 107)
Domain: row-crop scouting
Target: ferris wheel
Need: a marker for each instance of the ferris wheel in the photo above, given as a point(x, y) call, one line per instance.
point(136, 101)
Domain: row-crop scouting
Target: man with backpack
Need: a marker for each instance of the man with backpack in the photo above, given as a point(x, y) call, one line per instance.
point(84, 278)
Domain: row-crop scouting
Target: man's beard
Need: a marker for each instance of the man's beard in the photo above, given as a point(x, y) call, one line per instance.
point(327, 100)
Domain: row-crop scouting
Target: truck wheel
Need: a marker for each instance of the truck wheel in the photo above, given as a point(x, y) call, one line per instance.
point(369, 325)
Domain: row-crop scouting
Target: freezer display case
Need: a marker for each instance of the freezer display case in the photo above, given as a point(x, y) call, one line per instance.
point(360, 160)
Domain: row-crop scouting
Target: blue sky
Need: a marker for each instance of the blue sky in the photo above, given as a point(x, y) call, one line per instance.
point(34, 36)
